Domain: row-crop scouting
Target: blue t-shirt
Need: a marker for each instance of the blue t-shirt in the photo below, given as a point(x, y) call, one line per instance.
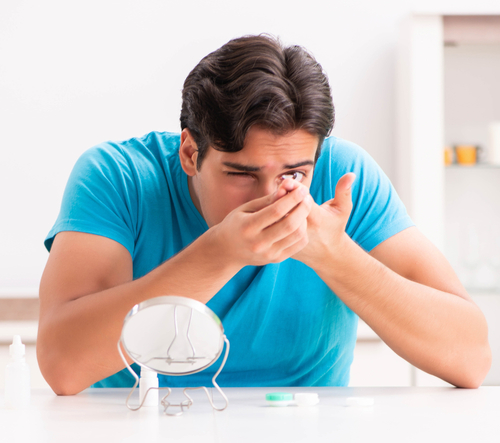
point(285, 325)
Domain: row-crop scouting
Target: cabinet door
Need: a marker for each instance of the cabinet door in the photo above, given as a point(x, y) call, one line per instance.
point(419, 129)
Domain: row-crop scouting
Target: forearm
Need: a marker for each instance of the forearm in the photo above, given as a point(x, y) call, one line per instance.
point(439, 332)
point(77, 339)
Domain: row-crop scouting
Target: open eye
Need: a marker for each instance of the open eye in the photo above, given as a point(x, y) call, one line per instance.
point(294, 175)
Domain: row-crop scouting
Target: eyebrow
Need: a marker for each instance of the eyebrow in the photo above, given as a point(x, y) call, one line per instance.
point(249, 168)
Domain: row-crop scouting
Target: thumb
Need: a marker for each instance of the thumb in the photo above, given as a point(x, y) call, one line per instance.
point(343, 199)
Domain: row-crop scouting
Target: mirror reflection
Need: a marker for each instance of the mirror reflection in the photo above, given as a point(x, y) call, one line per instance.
point(173, 335)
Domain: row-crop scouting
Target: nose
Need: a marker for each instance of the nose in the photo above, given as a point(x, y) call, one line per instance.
point(268, 187)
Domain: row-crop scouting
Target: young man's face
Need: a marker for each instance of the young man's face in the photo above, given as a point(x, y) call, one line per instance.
point(227, 180)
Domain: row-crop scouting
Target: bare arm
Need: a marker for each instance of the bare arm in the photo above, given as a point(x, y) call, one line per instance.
point(427, 319)
point(405, 290)
point(86, 291)
point(87, 287)
point(444, 332)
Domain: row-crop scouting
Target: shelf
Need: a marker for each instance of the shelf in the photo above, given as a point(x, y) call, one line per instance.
point(18, 293)
point(483, 292)
point(476, 166)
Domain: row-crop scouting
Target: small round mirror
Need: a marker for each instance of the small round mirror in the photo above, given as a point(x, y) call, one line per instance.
point(173, 335)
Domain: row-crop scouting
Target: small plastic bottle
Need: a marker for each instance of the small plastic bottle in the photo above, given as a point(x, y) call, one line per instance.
point(149, 379)
point(17, 377)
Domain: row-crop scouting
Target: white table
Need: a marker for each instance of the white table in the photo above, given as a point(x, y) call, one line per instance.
point(398, 415)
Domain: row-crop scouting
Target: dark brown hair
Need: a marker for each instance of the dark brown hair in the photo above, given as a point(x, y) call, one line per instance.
point(255, 80)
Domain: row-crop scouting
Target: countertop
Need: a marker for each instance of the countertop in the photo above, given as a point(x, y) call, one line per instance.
point(398, 415)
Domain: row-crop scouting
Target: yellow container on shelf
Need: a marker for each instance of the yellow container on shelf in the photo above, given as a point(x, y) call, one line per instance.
point(466, 154)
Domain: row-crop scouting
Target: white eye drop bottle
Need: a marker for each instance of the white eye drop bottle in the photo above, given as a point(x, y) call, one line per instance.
point(17, 377)
point(149, 379)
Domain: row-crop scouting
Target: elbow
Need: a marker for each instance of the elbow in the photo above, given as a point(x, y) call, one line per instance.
point(57, 378)
point(62, 388)
point(65, 387)
point(475, 370)
point(57, 371)
point(483, 366)
point(475, 363)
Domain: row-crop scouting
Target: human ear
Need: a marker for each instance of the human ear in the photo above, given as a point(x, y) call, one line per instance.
point(188, 153)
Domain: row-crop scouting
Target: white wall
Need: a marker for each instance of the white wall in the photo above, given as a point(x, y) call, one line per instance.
point(73, 74)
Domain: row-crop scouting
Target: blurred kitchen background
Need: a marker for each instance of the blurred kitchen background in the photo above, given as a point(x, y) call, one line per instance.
point(415, 83)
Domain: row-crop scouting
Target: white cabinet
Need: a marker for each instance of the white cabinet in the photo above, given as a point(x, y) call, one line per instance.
point(448, 92)
point(445, 95)
point(472, 194)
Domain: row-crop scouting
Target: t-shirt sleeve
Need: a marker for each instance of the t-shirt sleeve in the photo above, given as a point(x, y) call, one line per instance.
point(378, 213)
point(99, 198)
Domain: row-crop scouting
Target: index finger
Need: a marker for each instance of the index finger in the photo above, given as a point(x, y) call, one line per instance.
point(281, 207)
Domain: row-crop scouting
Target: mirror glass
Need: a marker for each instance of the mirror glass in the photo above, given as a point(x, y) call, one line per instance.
point(173, 335)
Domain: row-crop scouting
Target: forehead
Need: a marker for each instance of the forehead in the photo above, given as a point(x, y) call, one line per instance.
point(262, 147)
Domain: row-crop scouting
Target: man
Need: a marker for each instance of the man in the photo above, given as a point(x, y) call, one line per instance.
point(284, 233)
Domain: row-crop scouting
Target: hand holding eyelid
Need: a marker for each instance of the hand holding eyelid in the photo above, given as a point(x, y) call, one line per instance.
point(283, 189)
point(269, 229)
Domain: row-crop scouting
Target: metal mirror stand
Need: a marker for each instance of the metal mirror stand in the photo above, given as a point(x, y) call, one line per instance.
point(186, 404)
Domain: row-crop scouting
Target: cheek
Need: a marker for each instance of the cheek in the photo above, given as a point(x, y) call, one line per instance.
point(233, 196)
point(224, 200)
